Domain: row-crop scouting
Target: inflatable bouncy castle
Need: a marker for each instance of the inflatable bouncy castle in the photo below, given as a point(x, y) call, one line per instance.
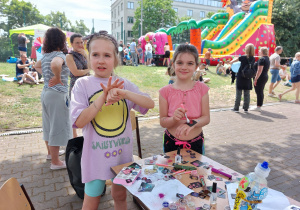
point(226, 34)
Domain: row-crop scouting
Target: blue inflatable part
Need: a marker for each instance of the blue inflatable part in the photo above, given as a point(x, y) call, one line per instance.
point(12, 60)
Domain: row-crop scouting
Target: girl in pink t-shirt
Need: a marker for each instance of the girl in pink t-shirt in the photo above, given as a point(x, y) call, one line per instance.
point(193, 95)
point(100, 105)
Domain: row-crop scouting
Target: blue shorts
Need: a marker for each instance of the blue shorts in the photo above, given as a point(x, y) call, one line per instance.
point(19, 76)
point(295, 79)
point(24, 49)
point(275, 75)
point(149, 55)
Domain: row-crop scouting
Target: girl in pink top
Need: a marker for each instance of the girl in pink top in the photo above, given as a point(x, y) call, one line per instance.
point(100, 105)
point(193, 95)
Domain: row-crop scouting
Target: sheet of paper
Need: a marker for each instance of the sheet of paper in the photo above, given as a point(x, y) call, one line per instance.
point(275, 200)
point(168, 188)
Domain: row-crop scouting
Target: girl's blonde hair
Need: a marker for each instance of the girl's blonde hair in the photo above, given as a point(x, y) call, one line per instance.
point(250, 50)
point(264, 51)
point(297, 54)
point(104, 36)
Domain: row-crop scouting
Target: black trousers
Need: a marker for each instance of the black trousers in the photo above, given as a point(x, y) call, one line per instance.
point(233, 76)
point(259, 89)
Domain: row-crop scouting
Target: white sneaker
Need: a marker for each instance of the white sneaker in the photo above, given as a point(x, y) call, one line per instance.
point(272, 95)
point(257, 109)
point(61, 152)
point(57, 167)
point(150, 65)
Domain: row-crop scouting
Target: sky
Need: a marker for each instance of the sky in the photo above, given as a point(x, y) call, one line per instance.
point(84, 10)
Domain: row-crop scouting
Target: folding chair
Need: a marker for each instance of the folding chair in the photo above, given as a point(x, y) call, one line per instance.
point(13, 196)
point(135, 126)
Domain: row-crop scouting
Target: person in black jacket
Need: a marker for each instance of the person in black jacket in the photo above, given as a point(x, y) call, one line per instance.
point(261, 77)
point(244, 84)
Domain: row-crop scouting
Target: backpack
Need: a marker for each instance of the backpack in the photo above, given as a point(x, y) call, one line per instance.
point(249, 71)
point(73, 162)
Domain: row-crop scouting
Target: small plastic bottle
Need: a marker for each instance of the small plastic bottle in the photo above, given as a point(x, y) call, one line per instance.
point(213, 195)
point(178, 156)
point(252, 188)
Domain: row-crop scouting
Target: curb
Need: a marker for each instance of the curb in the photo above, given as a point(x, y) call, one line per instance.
point(140, 119)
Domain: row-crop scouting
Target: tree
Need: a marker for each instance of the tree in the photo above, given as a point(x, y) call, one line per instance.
point(286, 19)
point(80, 28)
point(19, 14)
point(156, 14)
point(209, 14)
point(58, 19)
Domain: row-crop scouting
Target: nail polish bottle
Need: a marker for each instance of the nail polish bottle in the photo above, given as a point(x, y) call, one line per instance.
point(213, 196)
point(178, 157)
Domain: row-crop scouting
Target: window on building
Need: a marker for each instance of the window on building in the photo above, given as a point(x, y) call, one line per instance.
point(121, 19)
point(112, 14)
point(118, 10)
point(115, 13)
point(189, 13)
point(176, 10)
point(205, 2)
point(112, 26)
point(121, 6)
point(118, 22)
point(130, 5)
point(129, 34)
point(202, 14)
point(129, 19)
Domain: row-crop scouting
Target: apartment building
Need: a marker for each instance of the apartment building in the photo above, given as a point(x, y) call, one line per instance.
point(122, 14)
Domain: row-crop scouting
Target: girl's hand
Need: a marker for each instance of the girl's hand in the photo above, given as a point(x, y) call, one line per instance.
point(115, 95)
point(255, 82)
point(178, 114)
point(110, 86)
point(183, 130)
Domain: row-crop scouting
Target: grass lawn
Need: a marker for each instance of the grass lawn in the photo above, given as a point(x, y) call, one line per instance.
point(20, 106)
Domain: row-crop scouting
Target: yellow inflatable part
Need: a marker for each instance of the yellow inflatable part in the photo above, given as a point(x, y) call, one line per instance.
point(242, 38)
point(231, 29)
point(214, 31)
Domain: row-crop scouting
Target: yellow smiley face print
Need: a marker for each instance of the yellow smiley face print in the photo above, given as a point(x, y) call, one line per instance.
point(111, 121)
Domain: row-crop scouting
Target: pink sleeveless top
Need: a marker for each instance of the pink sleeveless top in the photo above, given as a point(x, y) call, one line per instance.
point(191, 99)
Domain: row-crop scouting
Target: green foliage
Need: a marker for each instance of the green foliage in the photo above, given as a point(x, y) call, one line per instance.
point(18, 13)
point(286, 19)
point(209, 14)
point(58, 19)
point(154, 16)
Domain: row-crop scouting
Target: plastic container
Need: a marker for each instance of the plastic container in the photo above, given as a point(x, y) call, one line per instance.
point(253, 188)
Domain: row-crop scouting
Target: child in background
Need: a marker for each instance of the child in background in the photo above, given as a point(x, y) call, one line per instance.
point(170, 71)
point(220, 69)
point(295, 78)
point(29, 77)
point(199, 73)
point(284, 75)
point(193, 95)
point(101, 105)
point(227, 67)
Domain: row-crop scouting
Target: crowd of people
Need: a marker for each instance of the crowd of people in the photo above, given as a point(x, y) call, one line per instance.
point(100, 103)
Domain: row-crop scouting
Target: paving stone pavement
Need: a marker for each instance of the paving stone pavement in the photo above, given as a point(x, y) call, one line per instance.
point(236, 140)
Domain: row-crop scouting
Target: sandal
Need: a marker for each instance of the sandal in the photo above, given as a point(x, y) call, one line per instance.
point(297, 102)
point(279, 97)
